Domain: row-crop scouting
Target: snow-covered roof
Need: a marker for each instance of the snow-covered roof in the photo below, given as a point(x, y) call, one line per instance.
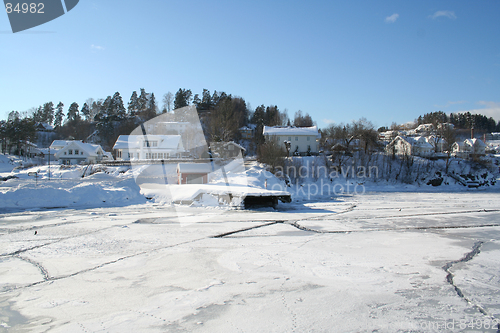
point(136, 141)
point(475, 142)
point(194, 167)
point(46, 126)
point(88, 148)
point(418, 141)
point(58, 144)
point(288, 130)
point(249, 127)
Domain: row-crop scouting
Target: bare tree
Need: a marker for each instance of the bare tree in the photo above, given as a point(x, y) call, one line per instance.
point(168, 99)
point(449, 137)
point(272, 154)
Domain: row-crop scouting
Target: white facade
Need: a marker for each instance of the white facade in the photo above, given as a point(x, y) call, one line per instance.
point(77, 152)
point(302, 139)
point(469, 147)
point(148, 147)
point(410, 146)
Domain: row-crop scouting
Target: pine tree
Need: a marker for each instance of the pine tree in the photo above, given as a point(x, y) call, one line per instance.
point(58, 118)
point(151, 110)
point(142, 101)
point(48, 113)
point(85, 111)
point(133, 105)
point(73, 113)
point(38, 115)
point(118, 108)
point(182, 98)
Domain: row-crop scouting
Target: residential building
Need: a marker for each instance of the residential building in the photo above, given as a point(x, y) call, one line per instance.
point(77, 152)
point(303, 140)
point(226, 149)
point(193, 173)
point(247, 132)
point(410, 146)
point(148, 147)
point(468, 148)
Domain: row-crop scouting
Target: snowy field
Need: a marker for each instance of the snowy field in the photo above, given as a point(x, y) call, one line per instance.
point(379, 262)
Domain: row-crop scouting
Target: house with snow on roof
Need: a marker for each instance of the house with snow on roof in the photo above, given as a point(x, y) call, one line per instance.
point(227, 149)
point(303, 140)
point(193, 173)
point(77, 152)
point(410, 146)
point(148, 147)
point(469, 148)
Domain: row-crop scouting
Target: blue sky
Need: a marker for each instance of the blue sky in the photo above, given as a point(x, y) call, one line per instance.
point(388, 61)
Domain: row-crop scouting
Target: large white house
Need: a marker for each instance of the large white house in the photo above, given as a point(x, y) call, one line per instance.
point(148, 147)
point(302, 139)
point(410, 146)
point(469, 147)
point(77, 152)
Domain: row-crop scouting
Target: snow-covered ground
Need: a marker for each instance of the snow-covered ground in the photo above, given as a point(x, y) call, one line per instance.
point(362, 263)
point(93, 254)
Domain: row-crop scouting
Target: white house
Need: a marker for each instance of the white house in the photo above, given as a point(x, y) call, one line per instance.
point(148, 147)
point(406, 145)
point(469, 147)
point(302, 139)
point(60, 144)
point(77, 152)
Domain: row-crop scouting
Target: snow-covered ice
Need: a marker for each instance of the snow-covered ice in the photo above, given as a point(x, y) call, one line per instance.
point(361, 263)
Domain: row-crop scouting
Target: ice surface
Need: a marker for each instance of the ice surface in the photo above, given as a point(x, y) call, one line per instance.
point(360, 263)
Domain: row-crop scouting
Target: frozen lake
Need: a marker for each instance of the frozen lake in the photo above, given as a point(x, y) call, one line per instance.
point(383, 262)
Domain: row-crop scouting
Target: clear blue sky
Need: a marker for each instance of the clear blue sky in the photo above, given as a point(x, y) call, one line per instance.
point(388, 61)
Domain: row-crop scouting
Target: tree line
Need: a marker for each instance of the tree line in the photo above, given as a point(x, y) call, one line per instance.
point(221, 114)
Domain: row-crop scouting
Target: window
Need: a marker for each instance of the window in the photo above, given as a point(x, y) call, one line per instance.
point(308, 138)
point(77, 152)
point(70, 152)
point(150, 144)
point(289, 138)
point(64, 153)
point(81, 153)
point(296, 138)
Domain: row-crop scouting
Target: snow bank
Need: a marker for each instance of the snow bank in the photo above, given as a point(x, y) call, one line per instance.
point(58, 193)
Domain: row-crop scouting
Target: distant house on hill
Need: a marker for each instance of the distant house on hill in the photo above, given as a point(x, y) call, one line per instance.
point(77, 152)
point(248, 132)
point(45, 134)
point(468, 148)
point(227, 149)
point(410, 146)
point(302, 140)
point(148, 147)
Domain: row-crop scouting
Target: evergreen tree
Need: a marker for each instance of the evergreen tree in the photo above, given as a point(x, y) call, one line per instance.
point(38, 115)
point(118, 107)
point(58, 118)
point(48, 113)
point(85, 111)
point(142, 101)
point(182, 98)
point(73, 113)
point(133, 105)
point(151, 109)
